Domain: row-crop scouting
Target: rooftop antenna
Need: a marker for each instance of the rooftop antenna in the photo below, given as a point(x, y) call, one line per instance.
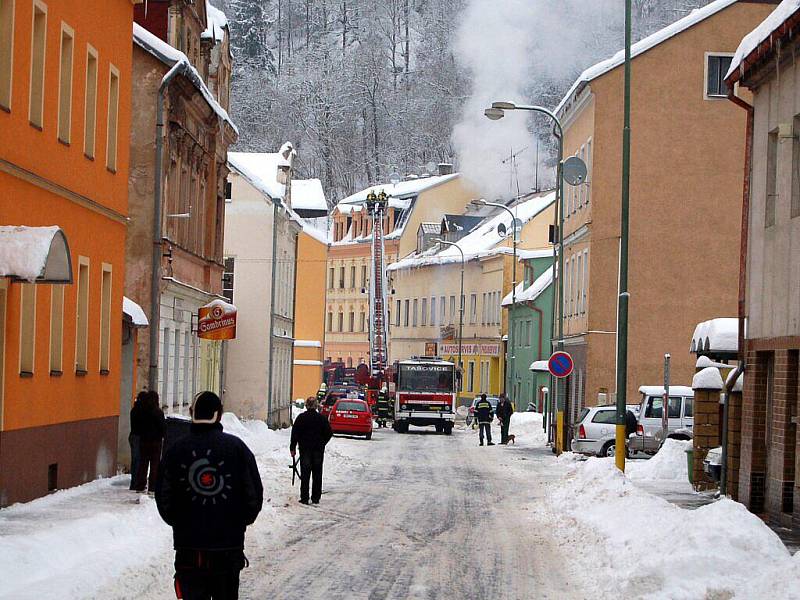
point(536, 169)
point(512, 158)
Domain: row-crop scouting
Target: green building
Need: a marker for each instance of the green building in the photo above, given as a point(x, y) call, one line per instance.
point(531, 319)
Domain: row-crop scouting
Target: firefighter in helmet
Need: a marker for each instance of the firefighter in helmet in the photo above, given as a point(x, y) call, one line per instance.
point(323, 390)
point(383, 407)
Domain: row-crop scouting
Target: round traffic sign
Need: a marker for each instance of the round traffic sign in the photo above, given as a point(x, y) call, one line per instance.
point(560, 364)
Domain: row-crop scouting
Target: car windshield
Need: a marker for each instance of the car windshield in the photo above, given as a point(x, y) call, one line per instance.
point(426, 378)
point(354, 406)
point(653, 410)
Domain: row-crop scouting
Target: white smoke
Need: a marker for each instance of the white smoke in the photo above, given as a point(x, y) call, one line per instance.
point(518, 50)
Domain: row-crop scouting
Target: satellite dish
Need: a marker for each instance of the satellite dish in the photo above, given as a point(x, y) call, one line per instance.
point(573, 170)
point(501, 230)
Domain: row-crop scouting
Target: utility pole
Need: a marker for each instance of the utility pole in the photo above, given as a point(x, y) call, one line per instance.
point(622, 308)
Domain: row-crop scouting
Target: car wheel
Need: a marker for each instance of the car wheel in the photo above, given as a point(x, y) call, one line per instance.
point(609, 449)
point(448, 430)
point(368, 436)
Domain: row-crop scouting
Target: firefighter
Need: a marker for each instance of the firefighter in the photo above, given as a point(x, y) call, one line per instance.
point(383, 407)
point(484, 415)
point(323, 390)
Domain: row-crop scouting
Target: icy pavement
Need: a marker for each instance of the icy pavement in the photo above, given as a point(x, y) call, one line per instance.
point(416, 516)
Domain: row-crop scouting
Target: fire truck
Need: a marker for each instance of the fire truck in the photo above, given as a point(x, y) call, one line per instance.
point(425, 394)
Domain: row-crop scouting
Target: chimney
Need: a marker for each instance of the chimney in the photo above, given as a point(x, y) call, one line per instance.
point(445, 168)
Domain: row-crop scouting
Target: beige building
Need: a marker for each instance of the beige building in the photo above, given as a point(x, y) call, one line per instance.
point(685, 201)
point(350, 255)
point(260, 257)
point(425, 304)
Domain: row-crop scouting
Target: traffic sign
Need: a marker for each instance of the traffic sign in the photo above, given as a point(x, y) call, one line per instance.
point(560, 364)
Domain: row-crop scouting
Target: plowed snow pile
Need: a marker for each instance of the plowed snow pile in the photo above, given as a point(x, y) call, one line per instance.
point(668, 464)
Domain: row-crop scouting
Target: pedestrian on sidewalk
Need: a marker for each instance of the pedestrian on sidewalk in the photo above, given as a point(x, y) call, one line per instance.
point(151, 426)
point(484, 415)
point(208, 491)
point(504, 411)
point(311, 431)
point(134, 437)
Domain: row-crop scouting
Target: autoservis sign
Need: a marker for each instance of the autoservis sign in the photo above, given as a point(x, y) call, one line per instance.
point(216, 321)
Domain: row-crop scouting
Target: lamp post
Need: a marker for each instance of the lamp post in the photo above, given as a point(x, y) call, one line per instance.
point(460, 312)
point(497, 111)
point(511, 352)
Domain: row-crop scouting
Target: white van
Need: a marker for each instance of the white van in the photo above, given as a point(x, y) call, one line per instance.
point(649, 432)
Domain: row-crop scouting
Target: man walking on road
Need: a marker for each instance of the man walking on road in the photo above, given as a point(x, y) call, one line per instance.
point(484, 416)
point(209, 491)
point(311, 431)
point(504, 412)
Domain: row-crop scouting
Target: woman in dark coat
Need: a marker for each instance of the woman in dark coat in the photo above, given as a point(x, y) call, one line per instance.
point(151, 428)
point(133, 437)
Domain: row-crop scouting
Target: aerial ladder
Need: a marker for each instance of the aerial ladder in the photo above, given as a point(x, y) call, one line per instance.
point(378, 331)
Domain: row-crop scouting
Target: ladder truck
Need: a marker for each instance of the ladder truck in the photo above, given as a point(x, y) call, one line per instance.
point(376, 205)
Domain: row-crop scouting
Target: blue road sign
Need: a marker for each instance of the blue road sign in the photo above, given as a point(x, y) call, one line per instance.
point(560, 364)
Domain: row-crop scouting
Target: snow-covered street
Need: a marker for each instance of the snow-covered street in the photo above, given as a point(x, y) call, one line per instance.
point(416, 516)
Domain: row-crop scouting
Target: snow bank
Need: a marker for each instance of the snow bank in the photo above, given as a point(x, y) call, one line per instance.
point(668, 464)
point(642, 546)
point(528, 425)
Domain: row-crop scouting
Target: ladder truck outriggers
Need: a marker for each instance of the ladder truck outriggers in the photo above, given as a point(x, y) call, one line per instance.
point(425, 392)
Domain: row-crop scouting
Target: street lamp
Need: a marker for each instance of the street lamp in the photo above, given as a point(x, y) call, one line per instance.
point(461, 312)
point(496, 112)
point(514, 240)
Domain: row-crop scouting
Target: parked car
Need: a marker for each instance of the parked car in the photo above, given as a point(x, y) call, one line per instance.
point(351, 417)
point(596, 431)
point(649, 434)
point(471, 412)
point(337, 392)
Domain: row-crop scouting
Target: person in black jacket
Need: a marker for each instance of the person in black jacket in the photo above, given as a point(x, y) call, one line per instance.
point(208, 491)
point(134, 436)
point(311, 431)
point(150, 426)
point(504, 411)
point(484, 415)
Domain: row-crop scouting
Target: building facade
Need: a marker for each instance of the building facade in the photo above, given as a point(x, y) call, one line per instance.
point(425, 305)
point(685, 199)
point(350, 255)
point(260, 257)
point(65, 114)
point(190, 181)
point(768, 447)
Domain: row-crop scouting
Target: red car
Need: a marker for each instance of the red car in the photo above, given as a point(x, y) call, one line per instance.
point(351, 417)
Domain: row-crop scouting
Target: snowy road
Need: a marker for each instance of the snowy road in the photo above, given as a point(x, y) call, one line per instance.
point(422, 516)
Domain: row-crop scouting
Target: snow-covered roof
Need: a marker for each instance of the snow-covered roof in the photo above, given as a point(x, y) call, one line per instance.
point(302, 362)
point(309, 228)
point(172, 56)
point(716, 335)
point(539, 365)
point(483, 241)
point(402, 189)
point(704, 361)
point(307, 344)
point(658, 390)
point(765, 32)
point(434, 228)
point(534, 290)
point(707, 379)
point(216, 24)
point(307, 194)
point(640, 47)
point(537, 253)
point(134, 312)
point(31, 253)
point(261, 170)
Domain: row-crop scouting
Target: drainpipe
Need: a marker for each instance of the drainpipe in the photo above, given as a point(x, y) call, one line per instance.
point(541, 320)
point(748, 164)
point(155, 281)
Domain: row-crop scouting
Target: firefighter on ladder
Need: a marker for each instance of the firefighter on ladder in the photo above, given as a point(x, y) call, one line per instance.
point(383, 407)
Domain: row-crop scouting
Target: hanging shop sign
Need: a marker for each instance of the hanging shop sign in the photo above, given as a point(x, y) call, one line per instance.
point(216, 321)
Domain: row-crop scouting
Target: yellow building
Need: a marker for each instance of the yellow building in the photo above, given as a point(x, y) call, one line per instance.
point(350, 256)
point(309, 319)
point(425, 303)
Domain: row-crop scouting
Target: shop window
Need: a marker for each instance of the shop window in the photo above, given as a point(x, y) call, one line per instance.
point(56, 328)
point(6, 51)
point(65, 84)
point(82, 316)
point(27, 328)
point(90, 109)
point(105, 318)
point(38, 45)
point(113, 116)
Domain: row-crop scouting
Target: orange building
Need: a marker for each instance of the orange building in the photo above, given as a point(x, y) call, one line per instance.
point(65, 96)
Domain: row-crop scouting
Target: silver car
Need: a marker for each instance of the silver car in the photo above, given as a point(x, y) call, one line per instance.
point(680, 416)
point(595, 431)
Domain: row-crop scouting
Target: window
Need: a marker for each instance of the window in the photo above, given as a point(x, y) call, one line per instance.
point(772, 177)
point(795, 208)
point(363, 322)
point(688, 407)
point(82, 316)
point(470, 376)
point(407, 310)
point(424, 320)
point(580, 188)
point(717, 66)
point(105, 318)
point(65, 84)
point(90, 110)
point(452, 308)
point(164, 367)
point(38, 43)
point(56, 328)
point(364, 276)
point(588, 170)
point(330, 321)
point(585, 280)
point(473, 308)
point(605, 417)
point(331, 277)
point(341, 322)
point(567, 281)
point(27, 328)
point(529, 333)
point(228, 278)
point(433, 311)
point(341, 278)
point(352, 322)
point(352, 277)
point(6, 51)
point(579, 284)
point(416, 306)
point(442, 310)
point(113, 110)
point(397, 313)
point(484, 306)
